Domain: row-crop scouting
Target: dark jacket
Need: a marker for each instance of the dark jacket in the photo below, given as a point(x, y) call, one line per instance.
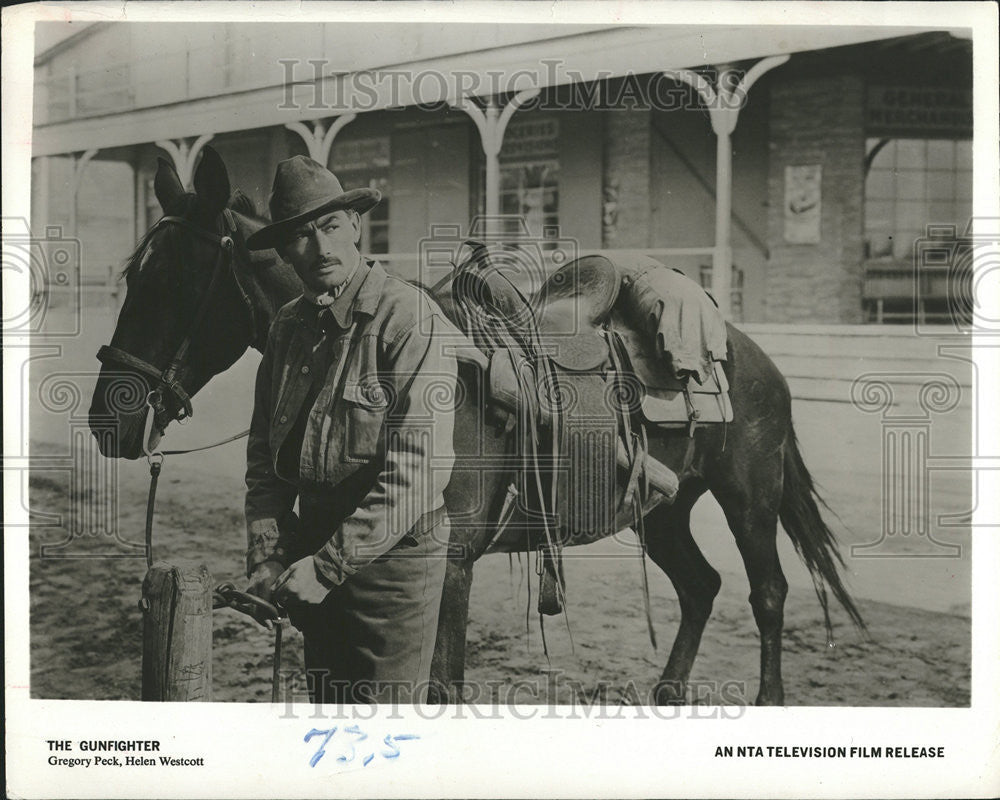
point(376, 446)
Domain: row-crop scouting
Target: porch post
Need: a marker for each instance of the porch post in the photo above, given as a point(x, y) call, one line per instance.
point(491, 148)
point(138, 196)
point(722, 257)
point(724, 102)
point(79, 165)
point(492, 124)
point(41, 211)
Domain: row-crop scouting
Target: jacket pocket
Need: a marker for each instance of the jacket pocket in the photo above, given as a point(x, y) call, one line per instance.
point(366, 403)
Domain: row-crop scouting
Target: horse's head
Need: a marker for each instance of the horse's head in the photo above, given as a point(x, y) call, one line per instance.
point(190, 309)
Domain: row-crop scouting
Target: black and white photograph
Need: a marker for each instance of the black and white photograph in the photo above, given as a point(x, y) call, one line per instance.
point(391, 385)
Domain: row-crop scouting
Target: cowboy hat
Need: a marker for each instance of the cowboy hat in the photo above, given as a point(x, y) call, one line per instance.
point(305, 190)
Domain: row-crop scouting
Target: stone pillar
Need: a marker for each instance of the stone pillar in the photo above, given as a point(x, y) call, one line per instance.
point(626, 185)
point(817, 120)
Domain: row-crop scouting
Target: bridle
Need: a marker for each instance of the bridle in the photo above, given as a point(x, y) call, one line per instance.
point(166, 382)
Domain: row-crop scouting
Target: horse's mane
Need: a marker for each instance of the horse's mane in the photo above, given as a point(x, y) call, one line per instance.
point(240, 204)
point(131, 264)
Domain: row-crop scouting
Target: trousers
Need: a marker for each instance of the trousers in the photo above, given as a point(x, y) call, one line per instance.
point(372, 639)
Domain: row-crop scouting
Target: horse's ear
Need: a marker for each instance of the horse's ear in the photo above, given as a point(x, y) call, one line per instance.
point(245, 205)
point(167, 185)
point(211, 182)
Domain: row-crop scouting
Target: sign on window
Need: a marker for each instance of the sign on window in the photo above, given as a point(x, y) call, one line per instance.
point(916, 110)
point(530, 139)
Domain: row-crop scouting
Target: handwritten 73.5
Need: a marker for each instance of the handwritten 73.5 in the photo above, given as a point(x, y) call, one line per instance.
point(389, 749)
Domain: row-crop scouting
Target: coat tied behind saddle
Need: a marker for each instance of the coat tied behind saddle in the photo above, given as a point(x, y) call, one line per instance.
point(602, 350)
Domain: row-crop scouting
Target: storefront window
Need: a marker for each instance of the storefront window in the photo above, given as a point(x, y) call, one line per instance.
point(362, 163)
point(918, 200)
point(530, 190)
point(913, 183)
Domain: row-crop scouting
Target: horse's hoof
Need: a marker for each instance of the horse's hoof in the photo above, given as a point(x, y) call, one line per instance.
point(549, 602)
point(670, 693)
point(438, 694)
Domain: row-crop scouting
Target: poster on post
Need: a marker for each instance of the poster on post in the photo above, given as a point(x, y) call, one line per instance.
point(803, 203)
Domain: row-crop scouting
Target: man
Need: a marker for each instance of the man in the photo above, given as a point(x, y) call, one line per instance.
point(348, 419)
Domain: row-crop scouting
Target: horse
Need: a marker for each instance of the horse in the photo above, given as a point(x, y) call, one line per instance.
point(170, 345)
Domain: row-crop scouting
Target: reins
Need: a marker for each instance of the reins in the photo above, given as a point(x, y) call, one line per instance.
point(155, 459)
point(225, 595)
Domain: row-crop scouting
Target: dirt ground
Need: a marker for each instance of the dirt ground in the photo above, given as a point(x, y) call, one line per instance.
point(86, 628)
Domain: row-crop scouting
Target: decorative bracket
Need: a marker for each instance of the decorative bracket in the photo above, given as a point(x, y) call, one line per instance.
point(184, 155)
point(726, 98)
point(319, 138)
point(79, 165)
point(724, 101)
point(492, 124)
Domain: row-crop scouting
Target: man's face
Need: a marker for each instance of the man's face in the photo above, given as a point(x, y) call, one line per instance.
point(324, 252)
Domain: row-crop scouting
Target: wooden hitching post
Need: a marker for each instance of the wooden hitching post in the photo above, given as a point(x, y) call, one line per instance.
point(177, 634)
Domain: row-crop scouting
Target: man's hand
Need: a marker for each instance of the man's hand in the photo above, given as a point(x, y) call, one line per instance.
point(300, 584)
point(262, 584)
point(262, 579)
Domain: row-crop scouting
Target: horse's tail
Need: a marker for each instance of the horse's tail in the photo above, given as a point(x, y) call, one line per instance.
point(812, 537)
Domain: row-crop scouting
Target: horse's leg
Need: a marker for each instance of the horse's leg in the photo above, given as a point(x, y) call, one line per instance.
point(751, 508)
point(673, 549)
point(448, 664)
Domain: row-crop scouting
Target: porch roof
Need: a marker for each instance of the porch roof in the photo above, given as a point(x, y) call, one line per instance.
point(580, 56)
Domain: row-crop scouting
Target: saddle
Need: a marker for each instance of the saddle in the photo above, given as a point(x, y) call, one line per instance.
point(571, 309)
point(548, 366)
point(574, 375)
